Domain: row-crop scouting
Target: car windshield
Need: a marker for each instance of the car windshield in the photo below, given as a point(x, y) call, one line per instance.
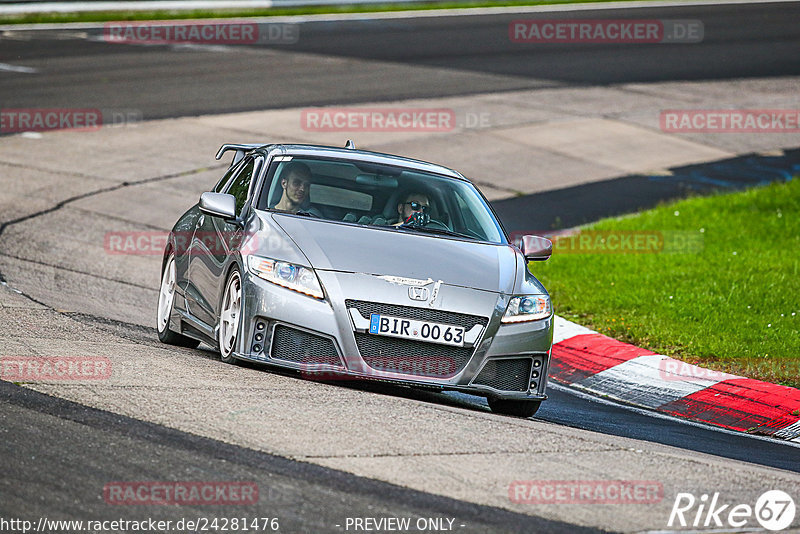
point(396, 198)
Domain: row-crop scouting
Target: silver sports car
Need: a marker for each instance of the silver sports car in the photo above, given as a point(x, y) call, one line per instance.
point(343, 263)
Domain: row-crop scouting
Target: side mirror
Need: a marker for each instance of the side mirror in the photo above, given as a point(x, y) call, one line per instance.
point(536, 248)
point(218, 205)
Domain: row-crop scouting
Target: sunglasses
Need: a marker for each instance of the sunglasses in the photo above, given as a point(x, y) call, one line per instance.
point(418, 206)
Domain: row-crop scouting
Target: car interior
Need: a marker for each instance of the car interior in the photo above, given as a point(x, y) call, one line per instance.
point(368, 194)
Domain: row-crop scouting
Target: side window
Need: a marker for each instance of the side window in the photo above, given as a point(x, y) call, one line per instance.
point(240, 186)
point(227, 178)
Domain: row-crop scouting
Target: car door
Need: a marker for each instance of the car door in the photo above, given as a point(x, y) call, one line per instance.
point(184, 233)
point(213, 246)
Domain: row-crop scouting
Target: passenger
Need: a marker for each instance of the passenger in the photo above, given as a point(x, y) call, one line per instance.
point(415, 206)
point(296, 182)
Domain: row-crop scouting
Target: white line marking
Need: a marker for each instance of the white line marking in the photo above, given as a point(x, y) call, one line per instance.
point(201, 47)
point(16, 68)
point(126, 5)
point(652, 413)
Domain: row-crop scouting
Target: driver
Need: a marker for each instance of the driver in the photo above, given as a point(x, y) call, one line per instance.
point(296, 182)
point(412, 204)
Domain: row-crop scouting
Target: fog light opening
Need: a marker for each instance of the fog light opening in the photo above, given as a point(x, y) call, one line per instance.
point(535, 374)
point(533, 384)
point(537, 363)
point(259, 337)
point(256, 348)
point(260, 326)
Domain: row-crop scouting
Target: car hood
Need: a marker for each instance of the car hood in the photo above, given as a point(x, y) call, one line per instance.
point(384, 252)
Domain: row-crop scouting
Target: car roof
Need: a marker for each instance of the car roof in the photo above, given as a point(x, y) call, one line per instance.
point(361, 155)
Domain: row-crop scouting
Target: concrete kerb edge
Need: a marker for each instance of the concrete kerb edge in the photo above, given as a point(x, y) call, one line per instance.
point(591, 362)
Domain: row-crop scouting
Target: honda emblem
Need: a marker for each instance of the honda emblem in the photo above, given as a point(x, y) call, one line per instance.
point(418, 293)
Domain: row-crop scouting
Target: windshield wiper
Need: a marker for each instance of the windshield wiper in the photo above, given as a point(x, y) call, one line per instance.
point(435, 231)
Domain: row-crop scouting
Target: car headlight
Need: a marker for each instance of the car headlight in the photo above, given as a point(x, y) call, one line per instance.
point(530, 308)
point(285, 274)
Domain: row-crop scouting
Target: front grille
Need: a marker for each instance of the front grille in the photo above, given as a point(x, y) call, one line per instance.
point(407, 356)
point(511, 374)
point(412, 357)
point(295, 345)
point(420, 314)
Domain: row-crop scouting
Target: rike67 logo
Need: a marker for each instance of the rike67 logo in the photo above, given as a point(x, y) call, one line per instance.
point(774, 510)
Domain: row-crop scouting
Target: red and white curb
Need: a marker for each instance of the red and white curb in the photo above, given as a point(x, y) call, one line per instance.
point(600, 365)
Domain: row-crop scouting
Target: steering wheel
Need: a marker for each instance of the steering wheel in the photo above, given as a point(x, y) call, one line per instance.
point(433, 223)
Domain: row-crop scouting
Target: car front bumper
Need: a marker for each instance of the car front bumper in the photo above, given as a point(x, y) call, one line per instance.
point(326, 339)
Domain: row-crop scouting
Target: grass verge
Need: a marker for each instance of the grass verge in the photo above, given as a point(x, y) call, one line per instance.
point(729, 301)
point(121, 15)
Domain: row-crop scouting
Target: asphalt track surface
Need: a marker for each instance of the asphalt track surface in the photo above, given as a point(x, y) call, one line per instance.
point(574, 206)
point(59, 455)
point(468, 55)
point(348, 61)
point(564, 407)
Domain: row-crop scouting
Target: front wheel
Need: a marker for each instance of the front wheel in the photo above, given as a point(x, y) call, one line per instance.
point(230, 316)
point(516, 408)
point(166, 300)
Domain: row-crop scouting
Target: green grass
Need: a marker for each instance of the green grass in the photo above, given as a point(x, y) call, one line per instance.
point(733, 305)
point(105, 16)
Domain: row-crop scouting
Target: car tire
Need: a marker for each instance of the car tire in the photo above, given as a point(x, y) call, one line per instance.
point(166, 301)
point(516, 408)
point(230, 312)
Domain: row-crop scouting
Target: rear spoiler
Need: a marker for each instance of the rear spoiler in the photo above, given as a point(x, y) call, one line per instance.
point(241, 150)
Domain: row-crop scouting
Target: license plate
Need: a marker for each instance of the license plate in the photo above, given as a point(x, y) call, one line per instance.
point(445, 334)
